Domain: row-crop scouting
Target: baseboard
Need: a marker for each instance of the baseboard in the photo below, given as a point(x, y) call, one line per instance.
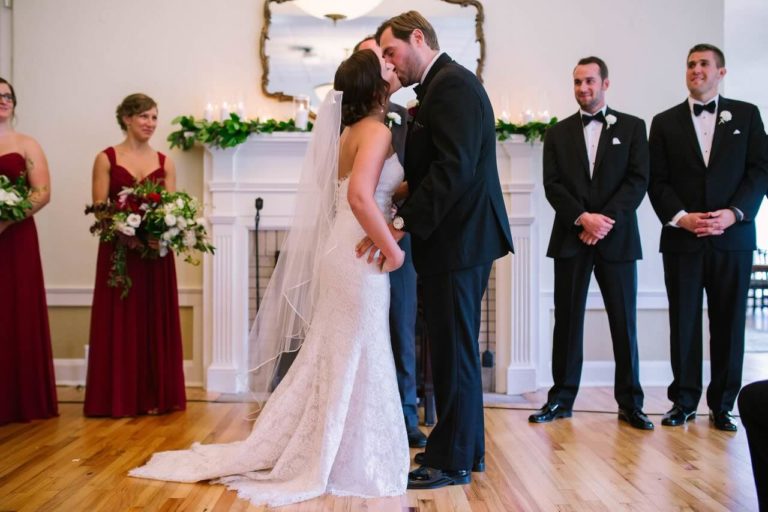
point(72, 372)
point(652, 373)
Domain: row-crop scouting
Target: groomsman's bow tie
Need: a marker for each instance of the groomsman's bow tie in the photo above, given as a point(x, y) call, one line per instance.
point(710, 107)
point(599, 117)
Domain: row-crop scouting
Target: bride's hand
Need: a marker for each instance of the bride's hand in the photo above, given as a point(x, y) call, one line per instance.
point(366, 245)
point(394, 263)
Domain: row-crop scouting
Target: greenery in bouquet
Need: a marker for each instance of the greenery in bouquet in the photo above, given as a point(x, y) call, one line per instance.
point(148, 219)
point(14, 198)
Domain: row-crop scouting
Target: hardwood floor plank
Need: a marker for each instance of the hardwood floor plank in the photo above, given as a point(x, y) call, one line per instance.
point(590, 462)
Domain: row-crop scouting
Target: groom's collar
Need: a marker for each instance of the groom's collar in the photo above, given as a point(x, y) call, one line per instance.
point(433, 67)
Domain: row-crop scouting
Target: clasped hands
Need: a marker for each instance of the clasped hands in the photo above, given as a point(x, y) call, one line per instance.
point(708, 223)
point(595, 227)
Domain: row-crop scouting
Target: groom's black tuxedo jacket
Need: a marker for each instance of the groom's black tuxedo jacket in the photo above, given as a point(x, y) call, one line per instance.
point(455, 211)
point(616, 188)
point(737, 174)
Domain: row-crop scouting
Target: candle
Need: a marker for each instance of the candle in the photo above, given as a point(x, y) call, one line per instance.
point(241, 110)
point(208, 112)
point(224, 112)
point(302, 117)
point(504, 117)
point(544, 116)
point(527, 116)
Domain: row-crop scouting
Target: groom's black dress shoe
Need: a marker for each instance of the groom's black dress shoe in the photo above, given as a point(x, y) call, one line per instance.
point(723, 420)
point(550, 411)
point(477, 467)
point(677, 416)
point(416, 438)
point(636, 418)
point(426, 477)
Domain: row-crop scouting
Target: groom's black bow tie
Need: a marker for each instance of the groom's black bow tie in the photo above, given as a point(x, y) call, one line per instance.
point(710, 107)
point(599, 117)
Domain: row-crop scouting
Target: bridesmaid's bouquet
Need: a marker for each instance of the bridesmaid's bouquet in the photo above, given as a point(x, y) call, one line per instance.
point(14, 199)
point(148, 219)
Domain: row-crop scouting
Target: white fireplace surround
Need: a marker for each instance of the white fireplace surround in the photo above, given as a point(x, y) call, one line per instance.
point(268, 166)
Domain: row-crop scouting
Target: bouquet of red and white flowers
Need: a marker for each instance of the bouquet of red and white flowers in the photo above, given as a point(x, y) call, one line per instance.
point(149, 219)
point(14, 199)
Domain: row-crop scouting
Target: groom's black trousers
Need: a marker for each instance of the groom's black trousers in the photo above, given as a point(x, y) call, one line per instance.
point(452, 304)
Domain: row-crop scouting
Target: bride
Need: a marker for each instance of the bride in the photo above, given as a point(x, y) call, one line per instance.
point(334, 424)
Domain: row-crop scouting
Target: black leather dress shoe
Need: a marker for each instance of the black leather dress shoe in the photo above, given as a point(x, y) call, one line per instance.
point(416, 438)
point(636, 418)
point(550, 411)
point(477, 467)
point(426, 477)
point(723, 420)
point(677, 416)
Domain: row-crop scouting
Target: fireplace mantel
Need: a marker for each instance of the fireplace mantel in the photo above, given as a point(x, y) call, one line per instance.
point(268, 166)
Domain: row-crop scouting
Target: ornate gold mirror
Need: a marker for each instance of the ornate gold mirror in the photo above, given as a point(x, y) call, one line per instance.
point(300, 52)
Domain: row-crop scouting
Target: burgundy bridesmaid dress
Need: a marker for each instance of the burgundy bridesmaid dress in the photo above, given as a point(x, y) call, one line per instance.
point(27, 382)
point(135, 363)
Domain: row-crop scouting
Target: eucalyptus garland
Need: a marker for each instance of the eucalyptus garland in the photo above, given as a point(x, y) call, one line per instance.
point(234, 131)
point(224, 134)
point(533, 131)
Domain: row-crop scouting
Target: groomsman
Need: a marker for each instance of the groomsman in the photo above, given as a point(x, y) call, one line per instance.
point(402, 285)
point(709, 171)
point(595, 176)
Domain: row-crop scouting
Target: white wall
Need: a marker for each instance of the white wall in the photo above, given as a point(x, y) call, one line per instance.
point(75, 60)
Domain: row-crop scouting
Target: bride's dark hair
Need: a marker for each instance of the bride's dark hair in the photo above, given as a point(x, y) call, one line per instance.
point(359, 78)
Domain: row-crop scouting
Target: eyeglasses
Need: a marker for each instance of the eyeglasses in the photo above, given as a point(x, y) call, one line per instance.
point(6, 96)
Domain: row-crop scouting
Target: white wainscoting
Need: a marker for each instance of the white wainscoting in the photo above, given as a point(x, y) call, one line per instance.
point(71, 372)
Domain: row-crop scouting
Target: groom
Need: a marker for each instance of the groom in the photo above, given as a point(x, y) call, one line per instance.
point(458, 224)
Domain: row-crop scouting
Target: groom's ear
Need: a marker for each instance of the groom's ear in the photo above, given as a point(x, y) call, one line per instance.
point(417, 37)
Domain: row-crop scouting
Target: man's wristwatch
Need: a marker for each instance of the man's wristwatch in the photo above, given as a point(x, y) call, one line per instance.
point(398, 223)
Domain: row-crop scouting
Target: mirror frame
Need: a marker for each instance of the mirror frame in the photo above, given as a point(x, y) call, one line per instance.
point(281, 96)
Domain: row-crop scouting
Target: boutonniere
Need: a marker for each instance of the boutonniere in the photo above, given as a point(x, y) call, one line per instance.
point(610, 119)
point(393, 118)
point(413, 107)
point(725, 116)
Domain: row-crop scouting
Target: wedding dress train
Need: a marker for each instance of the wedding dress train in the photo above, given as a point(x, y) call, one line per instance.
point(335, 423)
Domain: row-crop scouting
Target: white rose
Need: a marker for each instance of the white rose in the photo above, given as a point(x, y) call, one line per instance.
point(170, 219)
point(725, 116)
point(3, 196)
point(174, 232)
point(11, 198)
point(166, 236)
point(163, 251)
point(200, 220)
point(168, 207)
point(133, 220)
point(126, 230)
point(190, 239)
point(395, 118)
point(609, 120)
point(180, 202)
point(181, 222)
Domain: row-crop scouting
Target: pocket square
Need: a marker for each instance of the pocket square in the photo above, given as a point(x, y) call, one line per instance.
point(737, 132)
point(615, 141)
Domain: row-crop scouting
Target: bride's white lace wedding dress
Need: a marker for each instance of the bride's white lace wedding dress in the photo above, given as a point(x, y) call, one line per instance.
point(335, 424)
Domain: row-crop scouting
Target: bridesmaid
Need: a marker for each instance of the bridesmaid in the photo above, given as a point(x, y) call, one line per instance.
point(27, 382)
point(135, 363)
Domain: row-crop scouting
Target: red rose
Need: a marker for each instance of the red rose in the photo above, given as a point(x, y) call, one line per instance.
point(154, 197)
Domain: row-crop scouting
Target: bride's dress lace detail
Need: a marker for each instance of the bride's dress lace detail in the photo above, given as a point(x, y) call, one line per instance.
point(335, 423)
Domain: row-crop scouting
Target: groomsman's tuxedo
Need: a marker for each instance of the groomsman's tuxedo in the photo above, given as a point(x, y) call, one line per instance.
point(735, 177)
point(402, 307)
point(459, 226)
point(615, 188)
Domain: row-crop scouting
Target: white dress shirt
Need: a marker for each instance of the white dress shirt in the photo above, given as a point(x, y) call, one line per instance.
point(429, 66)
point(592, 133)
point(704, 125)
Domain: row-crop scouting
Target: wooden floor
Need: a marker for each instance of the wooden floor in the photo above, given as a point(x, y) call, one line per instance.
point(590, 462)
